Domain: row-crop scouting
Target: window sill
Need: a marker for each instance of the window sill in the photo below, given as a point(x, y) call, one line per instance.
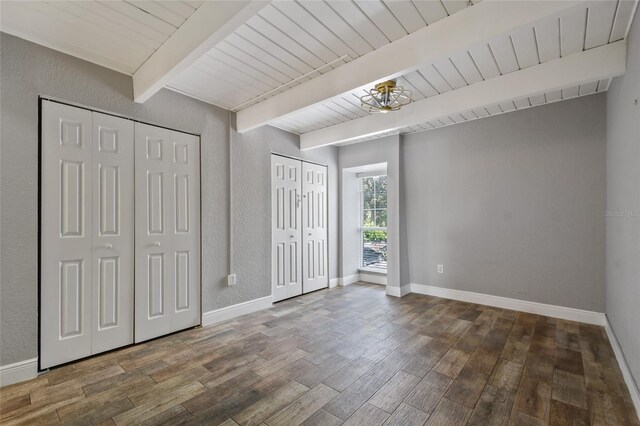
point(373, 271)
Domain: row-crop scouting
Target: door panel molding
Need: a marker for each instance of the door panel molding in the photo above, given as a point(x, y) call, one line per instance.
point(112, 230)
point(314, 227)
point(286, 256)
point(66, 212)
point(167, 218)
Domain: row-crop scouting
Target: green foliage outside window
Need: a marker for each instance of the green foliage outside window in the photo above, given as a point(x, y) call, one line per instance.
point(374, 202)
point(374, 236)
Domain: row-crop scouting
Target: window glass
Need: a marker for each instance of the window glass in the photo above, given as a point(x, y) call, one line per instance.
point(373, 222)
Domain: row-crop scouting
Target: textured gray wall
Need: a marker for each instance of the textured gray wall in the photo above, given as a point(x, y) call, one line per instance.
point(252, 206)
point(512, 205)
point(623, 198)
point(29, 70)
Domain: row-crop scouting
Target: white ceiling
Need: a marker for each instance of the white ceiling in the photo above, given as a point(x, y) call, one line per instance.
point(585, 28)
point(496, 109)
point(285, 43)
point(289, 42)
point(120, 35)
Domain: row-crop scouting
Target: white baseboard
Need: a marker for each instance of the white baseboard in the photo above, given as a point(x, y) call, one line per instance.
point(18, 372)
point(373, 278)
point(334, 282)
point(393, 291)
point(349, 279)
point(624, 367)
point(230, 312)
point(588, 317)
point(399, 291)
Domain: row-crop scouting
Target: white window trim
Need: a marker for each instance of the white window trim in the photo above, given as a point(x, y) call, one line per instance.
point(378, 271)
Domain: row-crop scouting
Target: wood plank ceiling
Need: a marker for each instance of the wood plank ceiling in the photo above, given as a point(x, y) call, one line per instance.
point(120, 35)
point(600, 23)
point(289, 42)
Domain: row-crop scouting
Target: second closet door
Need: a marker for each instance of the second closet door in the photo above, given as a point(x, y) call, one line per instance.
point(112, 302)
point(286, 222)
point(314, 227)
point(167, 224)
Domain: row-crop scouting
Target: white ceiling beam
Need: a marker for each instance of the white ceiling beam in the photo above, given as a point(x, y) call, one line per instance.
point(458, 32)
point(209, 24)
point(591, 65)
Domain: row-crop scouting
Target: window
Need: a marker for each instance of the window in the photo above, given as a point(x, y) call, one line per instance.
point(373, 222)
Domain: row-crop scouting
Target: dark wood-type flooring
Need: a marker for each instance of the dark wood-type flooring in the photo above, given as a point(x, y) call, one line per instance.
point(351, 356)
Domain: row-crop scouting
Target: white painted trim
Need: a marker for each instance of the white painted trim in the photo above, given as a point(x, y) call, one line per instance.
point(376, 271)
point(590, 65)
point(394, 291)
point(457, 33)
point(588, 317)
point(208, 25)
point(244, 308)
point(399, 291)
point(624, 367)
point(334, 282)
point(373, 278)
point(18, 372)
point(349, 279)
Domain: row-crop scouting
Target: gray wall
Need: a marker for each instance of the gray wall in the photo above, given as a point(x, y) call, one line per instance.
point(623, 201)
point(252, 205)
point(512, 205)
point(29, 70)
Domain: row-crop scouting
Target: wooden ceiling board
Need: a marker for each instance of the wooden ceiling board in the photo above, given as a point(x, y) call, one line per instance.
point(406, 13)
point(421, 84)
point(338, 26)
point(572, 32)
point(599, 23)
point(279, 22)
point(360, 22)
point(467, 67)
point(382, 17)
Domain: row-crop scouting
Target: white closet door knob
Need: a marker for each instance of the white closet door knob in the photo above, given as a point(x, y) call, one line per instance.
point(157, 244)
point(108, 246)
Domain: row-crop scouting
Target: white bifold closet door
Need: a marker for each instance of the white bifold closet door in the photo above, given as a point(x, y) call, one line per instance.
point(299, 227)
point(167, 223)
point(314, 227)
point(86, 225)
point(286, 218)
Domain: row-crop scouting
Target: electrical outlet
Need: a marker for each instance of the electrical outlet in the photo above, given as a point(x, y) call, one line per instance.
point(441, 269)
point(231, 280)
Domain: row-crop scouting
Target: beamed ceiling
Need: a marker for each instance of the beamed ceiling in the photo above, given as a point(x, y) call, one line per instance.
point(302, 65)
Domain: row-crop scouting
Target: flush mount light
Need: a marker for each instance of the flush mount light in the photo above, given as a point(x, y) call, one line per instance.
point(385, 97)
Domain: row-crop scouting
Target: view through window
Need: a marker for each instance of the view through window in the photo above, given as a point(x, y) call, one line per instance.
point(373, 222)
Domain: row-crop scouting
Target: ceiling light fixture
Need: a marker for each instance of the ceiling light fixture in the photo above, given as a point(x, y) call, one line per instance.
point(385, 97)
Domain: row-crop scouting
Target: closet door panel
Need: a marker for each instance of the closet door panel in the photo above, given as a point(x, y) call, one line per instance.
point(286, 218)
point(185, 256)
point(154, 218)
point(66, 240)
point(314, 227)
point(113, 201)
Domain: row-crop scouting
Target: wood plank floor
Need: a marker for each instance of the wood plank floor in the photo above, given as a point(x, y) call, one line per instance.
point(351, 356)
